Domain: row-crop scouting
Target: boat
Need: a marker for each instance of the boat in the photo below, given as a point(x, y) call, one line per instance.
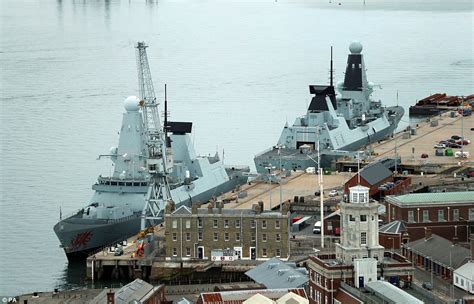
point(336, 125)
point(115, 211)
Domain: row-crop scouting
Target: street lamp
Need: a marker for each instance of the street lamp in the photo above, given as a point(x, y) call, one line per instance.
point(269, 168)
point(279, 146)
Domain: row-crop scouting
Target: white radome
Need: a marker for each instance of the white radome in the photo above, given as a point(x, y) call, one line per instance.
point(355, 47)
point(131, 103)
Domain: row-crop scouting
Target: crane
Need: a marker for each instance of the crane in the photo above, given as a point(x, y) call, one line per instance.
point(159, 159)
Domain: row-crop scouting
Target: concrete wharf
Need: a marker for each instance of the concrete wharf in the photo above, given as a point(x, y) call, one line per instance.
point(410, 147)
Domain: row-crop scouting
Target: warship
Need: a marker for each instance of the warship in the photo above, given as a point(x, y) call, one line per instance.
point(116, 210)
point(335, 125)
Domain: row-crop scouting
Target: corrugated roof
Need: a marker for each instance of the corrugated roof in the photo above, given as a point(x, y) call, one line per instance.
point(438, 248)
point(274, 273)
point(433, 198)
point(395, 227)
point(375, 173)
point(391, 293)
point(466, 270)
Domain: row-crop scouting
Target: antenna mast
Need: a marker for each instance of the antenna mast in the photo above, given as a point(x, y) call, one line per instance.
point(159, 161)
point(331, 71)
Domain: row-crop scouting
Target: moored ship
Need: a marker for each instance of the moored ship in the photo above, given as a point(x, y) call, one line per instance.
point(116, 209)
point(335, 124)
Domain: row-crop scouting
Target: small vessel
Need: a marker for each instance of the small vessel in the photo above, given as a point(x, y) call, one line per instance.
point(337, 125)
point(116, 208)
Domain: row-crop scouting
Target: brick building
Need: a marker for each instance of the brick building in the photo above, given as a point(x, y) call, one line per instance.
point(371, 176)
point(216, 233)
point(358, 259)
point(436, 254)
point(447, 214)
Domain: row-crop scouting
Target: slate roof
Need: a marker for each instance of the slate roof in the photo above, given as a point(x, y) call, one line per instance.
point(391, 293)
point(466, 270)
point(133, 291)
point(395, 227)
point(438, 249)
point(463, 197)
point(375, 173)
point(275, 273)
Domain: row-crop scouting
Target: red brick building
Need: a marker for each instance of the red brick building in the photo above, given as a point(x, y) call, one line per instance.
point(449, 214)
point(436, 254)
point(371, 176)
point(393, 235)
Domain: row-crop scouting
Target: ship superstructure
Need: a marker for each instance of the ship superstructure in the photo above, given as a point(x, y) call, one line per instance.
point(130, 194)
point(339, 124)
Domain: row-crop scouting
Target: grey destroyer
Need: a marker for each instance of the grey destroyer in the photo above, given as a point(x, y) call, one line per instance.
point(335, 124)
point(117, 208)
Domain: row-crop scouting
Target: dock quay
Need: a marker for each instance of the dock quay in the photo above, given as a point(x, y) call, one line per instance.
point(299, 188)
point(410, 144)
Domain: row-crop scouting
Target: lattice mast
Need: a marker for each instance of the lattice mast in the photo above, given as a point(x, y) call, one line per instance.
point(159, 158)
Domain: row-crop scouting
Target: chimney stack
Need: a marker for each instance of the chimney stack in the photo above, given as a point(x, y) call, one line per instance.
point(110, 297)
point(427, 233)
point(194, 208)
point(210, 207)
point(220, 205)
point(260, 203)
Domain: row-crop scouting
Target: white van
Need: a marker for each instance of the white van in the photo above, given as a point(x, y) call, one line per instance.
point(317, 227)
point(460, 154)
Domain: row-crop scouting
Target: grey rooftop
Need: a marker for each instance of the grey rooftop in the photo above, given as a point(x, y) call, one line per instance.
point(275, 273)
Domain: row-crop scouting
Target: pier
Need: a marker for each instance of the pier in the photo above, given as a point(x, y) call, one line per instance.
point(409, 145)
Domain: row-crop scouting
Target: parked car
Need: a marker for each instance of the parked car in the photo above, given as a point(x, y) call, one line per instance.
point(317, 227)
point(118, 251)
point(333, 193)
point(424, 155)
point(454, 145)
point(440, 146)
point(451, 140)
point(427, 285)
point(463, 142)
point(456, 137)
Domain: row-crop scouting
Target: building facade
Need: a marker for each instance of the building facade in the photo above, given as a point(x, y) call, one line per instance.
point(220, 234)
point(448, 214)
point(359, 258)
point(359, 227)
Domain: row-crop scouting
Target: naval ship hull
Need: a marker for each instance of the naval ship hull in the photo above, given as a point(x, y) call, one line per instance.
point(82, 237)
point(294, 159)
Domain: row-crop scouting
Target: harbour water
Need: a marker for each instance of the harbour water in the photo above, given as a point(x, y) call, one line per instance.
point(237, 69)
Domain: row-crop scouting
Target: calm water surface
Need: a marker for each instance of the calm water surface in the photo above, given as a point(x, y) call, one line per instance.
point(237, 69)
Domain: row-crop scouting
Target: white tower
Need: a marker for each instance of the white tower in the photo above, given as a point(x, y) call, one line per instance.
point(359, 227)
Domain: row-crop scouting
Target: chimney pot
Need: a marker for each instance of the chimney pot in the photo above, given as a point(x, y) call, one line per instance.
point(427, 233)
point(110, 297)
